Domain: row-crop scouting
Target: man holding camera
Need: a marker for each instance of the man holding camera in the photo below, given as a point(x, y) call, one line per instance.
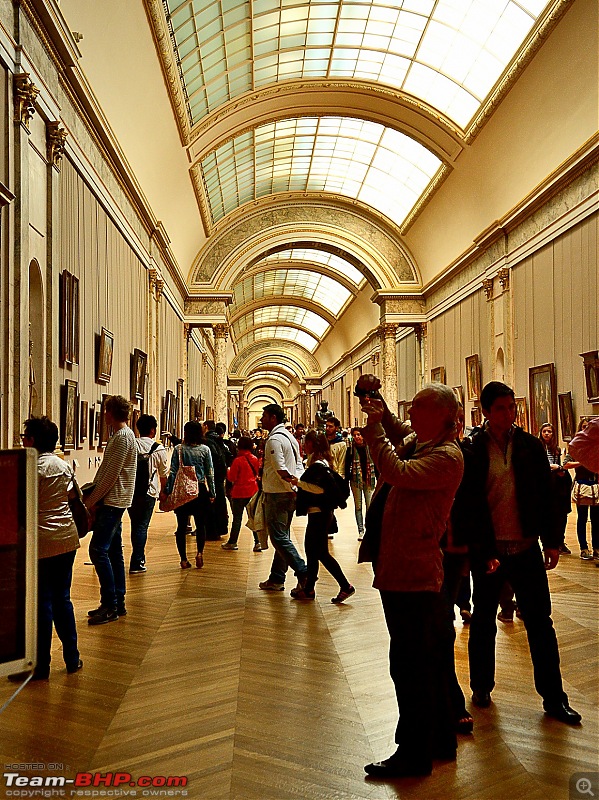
point(420, 468)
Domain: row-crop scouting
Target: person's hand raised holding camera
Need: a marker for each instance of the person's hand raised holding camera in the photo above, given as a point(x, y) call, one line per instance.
point(368, 391)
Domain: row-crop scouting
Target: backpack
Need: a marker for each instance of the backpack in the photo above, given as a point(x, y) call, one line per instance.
point(142, 474)
point(340, 489)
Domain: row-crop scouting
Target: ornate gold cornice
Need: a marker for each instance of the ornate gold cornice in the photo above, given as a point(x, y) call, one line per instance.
point(201, 194)
point(25, 93)
point(55, 142)
point(162, 36)
point(518, 64)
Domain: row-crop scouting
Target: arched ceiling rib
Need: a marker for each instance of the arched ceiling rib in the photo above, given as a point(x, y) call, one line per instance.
point(301, 288)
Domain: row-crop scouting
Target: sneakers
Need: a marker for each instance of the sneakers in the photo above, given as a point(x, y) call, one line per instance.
point(75, 667)
point(138, 570)
point(343, 595)
point(229, 546)
point(303, 594)
point(586, 555)
point(271, 586)
point(120, 610)
point(564, 550)
point(103, 616)
point(185, 564)
point(257, 547)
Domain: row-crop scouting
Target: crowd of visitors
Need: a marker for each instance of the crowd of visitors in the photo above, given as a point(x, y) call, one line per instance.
point(432, 507)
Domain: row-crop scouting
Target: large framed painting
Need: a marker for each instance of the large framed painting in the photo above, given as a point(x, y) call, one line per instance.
point(69, 318)
point(566, 416)
point(202, 410)
point(69, 415)
point(168, 412)
point(178, 421)
point(591, 375)
point(193, 409)
point(521, 413)
point(438, 375)
point(473, 377)
point(83, 420)
point(139, 364)
point(543, 397)
point(105, 351)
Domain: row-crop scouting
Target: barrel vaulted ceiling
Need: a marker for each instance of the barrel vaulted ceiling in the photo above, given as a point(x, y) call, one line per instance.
point(361, 106)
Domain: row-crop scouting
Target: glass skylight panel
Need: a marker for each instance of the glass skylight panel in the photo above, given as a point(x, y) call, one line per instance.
point(467, 43)
point(319, 257)
point(279, 332)
point(355, 158)
point(294, 283)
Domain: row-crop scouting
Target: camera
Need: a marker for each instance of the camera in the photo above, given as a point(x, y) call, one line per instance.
point(374, 393)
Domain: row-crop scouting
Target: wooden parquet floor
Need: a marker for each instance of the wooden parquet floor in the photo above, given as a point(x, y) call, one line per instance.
point(254, 696)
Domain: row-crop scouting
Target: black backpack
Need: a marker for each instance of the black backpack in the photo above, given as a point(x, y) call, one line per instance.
point(142, 475)
point(341, 490)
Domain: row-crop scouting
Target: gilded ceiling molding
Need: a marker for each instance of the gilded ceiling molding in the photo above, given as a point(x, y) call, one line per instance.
point(422, 122)
point(518, 64)
point(201, 195)
point(378, 254)
point(155, 12)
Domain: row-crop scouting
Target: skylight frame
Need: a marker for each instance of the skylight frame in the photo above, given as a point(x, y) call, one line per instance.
point(292, 282)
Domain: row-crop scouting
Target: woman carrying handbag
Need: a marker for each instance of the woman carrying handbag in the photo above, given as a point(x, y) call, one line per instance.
point(180, 486)
point(585, 494)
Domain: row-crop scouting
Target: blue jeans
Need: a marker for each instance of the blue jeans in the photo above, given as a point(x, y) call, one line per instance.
point(357, 494)
point(54, 606)
point(237, 506)
point(106, 554)
point(140, 515)
point(278, 512)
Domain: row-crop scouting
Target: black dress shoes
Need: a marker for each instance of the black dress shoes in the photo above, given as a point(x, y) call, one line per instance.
point(396, 767)
point(481, 699)
point(562, 712)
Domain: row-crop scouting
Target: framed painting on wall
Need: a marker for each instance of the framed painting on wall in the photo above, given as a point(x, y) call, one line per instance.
point(83, 420)
point(473, 377)
point(402, 410)
point(69, 415)
point(566, 416)
point(178, 421)
point(105, 351)
point(209, 413)
point(476, 416)
point(105, 431)
point(591, 375)
point(543, 398)
point(438, 375)
point(193, 409)
point(139, 362)
point(521, 413)
point(202, 410)
point(169, 411)
point(69, 318)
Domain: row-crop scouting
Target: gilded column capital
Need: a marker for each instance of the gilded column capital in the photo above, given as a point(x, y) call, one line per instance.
point(221, 331)
point(488, 288)
point(55, 143)
point(387, 330)
point(375, 358)
point(159, 288)
point(25, 94)
point(421, 330)
point(187, 329)
point(504, 278)
point(204, 360)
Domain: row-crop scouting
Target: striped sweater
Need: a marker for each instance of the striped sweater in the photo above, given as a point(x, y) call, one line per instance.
point(115, 478)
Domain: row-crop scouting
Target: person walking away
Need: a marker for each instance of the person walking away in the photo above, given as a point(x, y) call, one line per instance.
point(150, 479)
point(561, 482)
point(192, 452)
point(320, 491)
point(112, 494)
point(243, 475)
point(585, 494)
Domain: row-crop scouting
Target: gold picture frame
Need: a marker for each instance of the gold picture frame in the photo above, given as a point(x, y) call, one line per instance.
point(105, 351)
point(473, 380)
point(521, 413)
point(438, 375)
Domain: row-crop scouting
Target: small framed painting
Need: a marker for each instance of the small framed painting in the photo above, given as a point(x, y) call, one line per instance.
point(591, 375)
point(105, 351)
point(476, 416)
point(459, 393)
point(105, 431)
point(521, 413)
point(139, 361)
point(83, 420)
point(438, 375)
point(69, 415)
point(566, 415)
point(473, 377)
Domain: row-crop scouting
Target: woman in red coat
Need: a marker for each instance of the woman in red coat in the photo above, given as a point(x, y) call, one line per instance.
point(243, 474)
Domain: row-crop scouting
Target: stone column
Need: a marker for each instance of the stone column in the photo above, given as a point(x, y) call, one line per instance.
point(221, 334)
point(387, 333)
point(422, 336)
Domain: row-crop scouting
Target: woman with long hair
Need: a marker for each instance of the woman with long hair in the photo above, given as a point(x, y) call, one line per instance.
point(192, 452)
point(318, 497)
point(586, 493)
point(560, 480)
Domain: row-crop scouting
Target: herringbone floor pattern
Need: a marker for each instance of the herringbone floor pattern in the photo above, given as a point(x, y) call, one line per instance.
point(254, 696)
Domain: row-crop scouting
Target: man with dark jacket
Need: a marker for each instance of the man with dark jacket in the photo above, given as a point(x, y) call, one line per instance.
point(509, 478)
point(218, 522)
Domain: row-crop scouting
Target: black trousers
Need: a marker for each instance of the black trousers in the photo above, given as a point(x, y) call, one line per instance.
point(527, 575)
point(426, 723)
point(453, 568)
point(316, 545)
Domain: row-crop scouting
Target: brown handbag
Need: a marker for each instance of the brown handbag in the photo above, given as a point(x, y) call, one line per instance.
point(185, 487)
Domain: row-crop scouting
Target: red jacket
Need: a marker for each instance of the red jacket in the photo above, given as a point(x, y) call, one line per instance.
point(243, 473)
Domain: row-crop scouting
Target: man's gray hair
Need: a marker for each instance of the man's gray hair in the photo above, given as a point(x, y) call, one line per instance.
point(445, 398)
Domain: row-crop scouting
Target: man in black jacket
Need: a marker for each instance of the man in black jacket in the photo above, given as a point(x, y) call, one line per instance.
point(512, 502)
point(218, 520)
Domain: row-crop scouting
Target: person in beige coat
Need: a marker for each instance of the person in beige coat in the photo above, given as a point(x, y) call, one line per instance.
point(420, 468)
